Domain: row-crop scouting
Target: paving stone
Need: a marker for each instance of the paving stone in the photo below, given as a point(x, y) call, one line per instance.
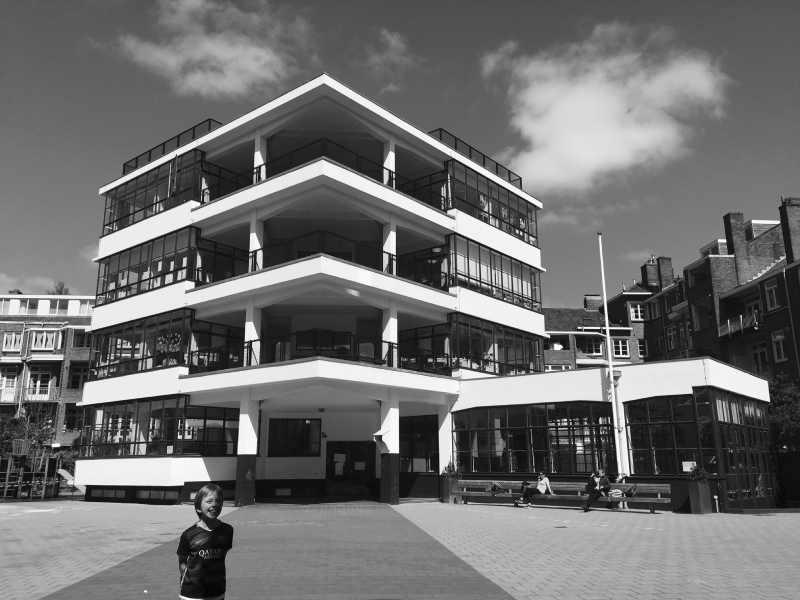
point(558, 552)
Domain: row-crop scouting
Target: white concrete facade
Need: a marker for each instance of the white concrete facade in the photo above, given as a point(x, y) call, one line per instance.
point(323, 302)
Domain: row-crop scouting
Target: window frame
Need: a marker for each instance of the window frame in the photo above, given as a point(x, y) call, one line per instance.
point(771, 294)
point(642, 348)
point(58, 307)
point(56, 339)
point(592, 340)
point(10, 347)
point(637, 311)
point(274, 445)
point(626, 353)
point(778, 348)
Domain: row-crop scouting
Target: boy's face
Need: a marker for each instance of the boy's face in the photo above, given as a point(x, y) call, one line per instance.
point(211, 506)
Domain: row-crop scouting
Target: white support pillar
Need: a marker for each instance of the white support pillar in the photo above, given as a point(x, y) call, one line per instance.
point(247, 449)
point(252, 332)
point(390, 245)
point(388, 441)
point(389, 334)
point(256, 242)
point(260, 157)
point(389, 161)
point(445, 436)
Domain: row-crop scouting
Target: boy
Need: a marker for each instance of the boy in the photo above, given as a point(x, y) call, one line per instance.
point(202, 549)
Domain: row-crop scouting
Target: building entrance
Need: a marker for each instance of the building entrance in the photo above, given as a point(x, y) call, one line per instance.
point(350, 469)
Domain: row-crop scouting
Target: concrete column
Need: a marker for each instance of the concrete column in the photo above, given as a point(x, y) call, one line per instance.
point(256, 242)
point(252, 332)
point(389, 161)
point(389, 334)
point(259, 157)
point(445, 436)
point(389, 243)
point(388, 440)
point(246, 453)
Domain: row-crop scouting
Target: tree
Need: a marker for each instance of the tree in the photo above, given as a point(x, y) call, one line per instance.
point(784, 413)
point(59, 289)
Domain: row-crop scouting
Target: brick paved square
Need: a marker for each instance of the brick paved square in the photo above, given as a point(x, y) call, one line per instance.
point(565, 553)
point(363, 550)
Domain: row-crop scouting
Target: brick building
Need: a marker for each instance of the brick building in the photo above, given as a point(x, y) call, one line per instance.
point(44, 358)
point(577, 337)
point(738, 302)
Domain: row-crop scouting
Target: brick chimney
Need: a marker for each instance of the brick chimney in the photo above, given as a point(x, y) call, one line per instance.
point(650, 273)
point(790, 227)
point(592, 301)
point(737, 242)
point(666, 276)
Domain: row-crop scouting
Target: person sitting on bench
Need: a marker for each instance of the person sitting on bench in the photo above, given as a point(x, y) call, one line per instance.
point(597, 487)
point(528, 492)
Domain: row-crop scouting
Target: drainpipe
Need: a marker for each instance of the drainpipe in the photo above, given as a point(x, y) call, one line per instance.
point(791, 321)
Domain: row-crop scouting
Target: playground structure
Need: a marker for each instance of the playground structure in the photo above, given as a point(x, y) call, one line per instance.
point(26, 475)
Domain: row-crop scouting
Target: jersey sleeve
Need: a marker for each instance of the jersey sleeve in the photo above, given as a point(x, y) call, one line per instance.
point(230, 540)
point(183, 546)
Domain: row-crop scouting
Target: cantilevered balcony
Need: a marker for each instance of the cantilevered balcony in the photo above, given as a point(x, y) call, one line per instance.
point(320, 242)
point(339, 345)
point(739, 324)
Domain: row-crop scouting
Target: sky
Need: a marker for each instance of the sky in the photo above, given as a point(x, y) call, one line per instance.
point(647, 121)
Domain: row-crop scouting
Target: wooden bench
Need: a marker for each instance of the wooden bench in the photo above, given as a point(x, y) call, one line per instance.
point(657, 493)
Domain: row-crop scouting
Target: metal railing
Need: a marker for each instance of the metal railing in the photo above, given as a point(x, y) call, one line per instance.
point(40, 394)
point(319, 242)
point(343, 345)
point(431, 275)
point(739, 324)
point(224, 268)
point(171, 144)
point(324, 148)
point(460, 146)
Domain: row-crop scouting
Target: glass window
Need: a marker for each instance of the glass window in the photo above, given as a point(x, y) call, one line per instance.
point(642, 348)
point(579, 438)
point(419, 444)
point(637, 311)
point(12, 341)
point(58, 307)
point(771, 294)
point(294, 437)
point(778, 349)
point(78, 375)
point(621, 349)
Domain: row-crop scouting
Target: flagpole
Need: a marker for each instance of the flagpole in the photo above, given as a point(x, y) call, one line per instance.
point(621, 441)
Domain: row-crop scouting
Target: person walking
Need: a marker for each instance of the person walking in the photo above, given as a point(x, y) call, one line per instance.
point(597, 487)
point(203, 547)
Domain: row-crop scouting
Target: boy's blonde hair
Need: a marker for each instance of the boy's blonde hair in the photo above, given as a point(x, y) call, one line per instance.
point(204, 491)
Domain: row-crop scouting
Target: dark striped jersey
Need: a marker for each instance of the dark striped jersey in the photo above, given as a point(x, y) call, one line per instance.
point(205, 567)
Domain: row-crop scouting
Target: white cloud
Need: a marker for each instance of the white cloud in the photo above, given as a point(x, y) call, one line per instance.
point(215, 49)
point(589, 112)
point(87, 253)
point(392, 57)
point(585, 217)
point(637, 255)
point(30, 284)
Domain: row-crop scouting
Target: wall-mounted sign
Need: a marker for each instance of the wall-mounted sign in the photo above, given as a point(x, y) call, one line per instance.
point(687, 465)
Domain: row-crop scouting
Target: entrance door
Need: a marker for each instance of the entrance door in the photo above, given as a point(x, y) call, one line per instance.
point(350, 469)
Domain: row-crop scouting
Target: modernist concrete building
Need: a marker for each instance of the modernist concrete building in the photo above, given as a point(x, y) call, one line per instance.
point(320, 298)
point(291, 300)
point(44, 359)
